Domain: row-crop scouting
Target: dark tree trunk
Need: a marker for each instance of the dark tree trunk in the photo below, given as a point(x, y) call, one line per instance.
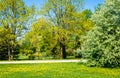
point(9, 54)
point(63, 51)
point(12, 52)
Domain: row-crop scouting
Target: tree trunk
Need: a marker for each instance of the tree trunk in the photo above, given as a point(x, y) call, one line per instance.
point(12, 53)
point(9, 54)
point(63, 51)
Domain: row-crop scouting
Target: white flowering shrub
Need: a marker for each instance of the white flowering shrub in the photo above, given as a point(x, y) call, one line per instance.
point(102, 44)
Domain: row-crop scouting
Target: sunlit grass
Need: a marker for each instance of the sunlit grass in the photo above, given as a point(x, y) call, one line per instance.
point(56, 70)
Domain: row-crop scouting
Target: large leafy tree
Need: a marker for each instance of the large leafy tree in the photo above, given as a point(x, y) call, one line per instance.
point(102, 44)
point(41, 37)
point(65, 15)
point(13, 17)
point(5, 37)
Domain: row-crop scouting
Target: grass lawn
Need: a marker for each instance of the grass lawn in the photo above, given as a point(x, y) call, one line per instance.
point(56, 70)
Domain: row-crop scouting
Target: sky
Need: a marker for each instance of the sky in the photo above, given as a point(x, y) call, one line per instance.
point(89, 4)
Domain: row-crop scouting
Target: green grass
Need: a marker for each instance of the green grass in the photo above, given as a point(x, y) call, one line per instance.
point(56, 70)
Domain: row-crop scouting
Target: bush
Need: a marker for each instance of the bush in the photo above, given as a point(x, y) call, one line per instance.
point(78, 53)
point(102, 44)
point(70, 52)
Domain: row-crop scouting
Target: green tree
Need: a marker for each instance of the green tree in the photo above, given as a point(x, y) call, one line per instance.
point(61, 13)
point(45, 38)
point(40, 37)
point(5, 37)
point(13, 16)
point(102, 44)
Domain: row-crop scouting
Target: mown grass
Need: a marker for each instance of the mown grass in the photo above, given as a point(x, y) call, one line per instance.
point(56, 70)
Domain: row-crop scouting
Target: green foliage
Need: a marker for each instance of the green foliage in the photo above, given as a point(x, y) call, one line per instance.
point(41, 37)
point(78, 53)
point(47, 38)
point(5, 41)
point(57, 34)
point(70, 21)
point(102, 44)
point(13, 18)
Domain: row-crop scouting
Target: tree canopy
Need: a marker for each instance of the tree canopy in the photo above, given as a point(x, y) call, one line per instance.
point(13, 17)
point(67, 16)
